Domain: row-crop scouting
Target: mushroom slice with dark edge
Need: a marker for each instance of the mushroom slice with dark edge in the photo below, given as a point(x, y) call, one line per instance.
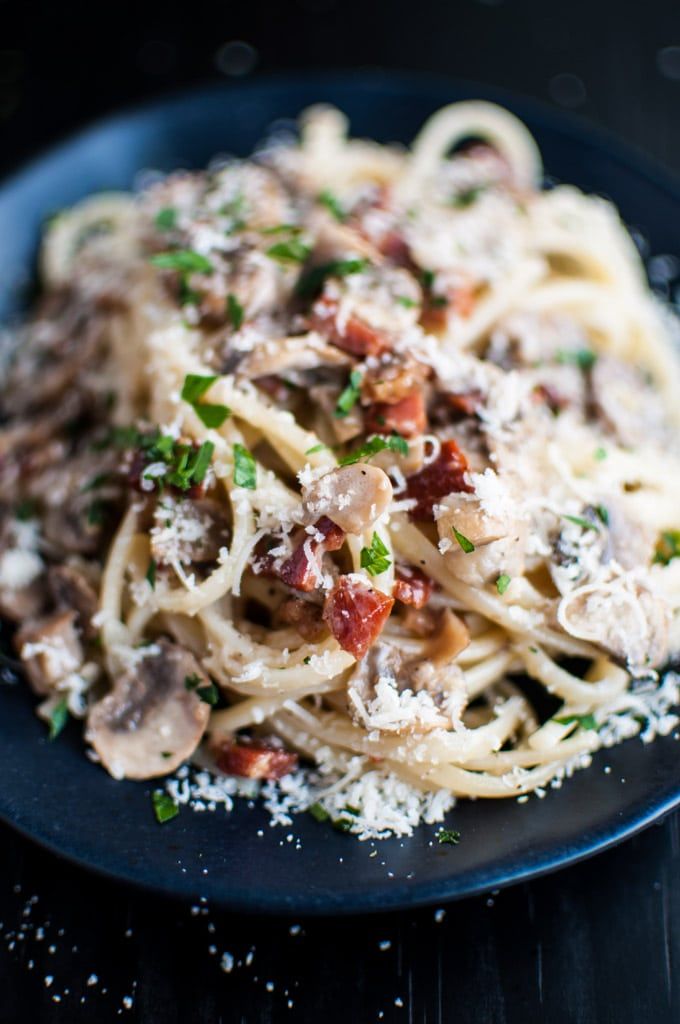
point(154, 718)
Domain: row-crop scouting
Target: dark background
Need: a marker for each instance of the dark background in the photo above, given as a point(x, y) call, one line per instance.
point(597, 943)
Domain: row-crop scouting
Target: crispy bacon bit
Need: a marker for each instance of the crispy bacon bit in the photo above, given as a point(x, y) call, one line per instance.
point(255, 760)
point(412, 586)
point(392, 378)
point(356, 614)
point(304, 616)
point(467, 403)
point(407, 417)
point(460, 301)
point(302, 570)
point(443, 476)
point(352, 334)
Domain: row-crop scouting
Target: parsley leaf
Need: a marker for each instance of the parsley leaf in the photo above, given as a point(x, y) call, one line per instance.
point(395, 443)
point(58, 718)
point(26, 509)
point(164, 806)
point(461, 200)
point(584, 358)
point(318, 812)
point(667, 547)
point(234, 311)
point(312, 282)
point(585, 524)
point(585, 721)
point(406, 302)
point(502, 583)
point(467, 545)
point(194, 387)
point(448, 835)
point(373, 558)
point(207, 692)
point(245, 468)
point(317, 448)
point(599, 454)
point(185, 260)
point(349, 396)
point(293, 250)
point(151, 573)
point(332, 204)
point(602, 514)
point(166, 219)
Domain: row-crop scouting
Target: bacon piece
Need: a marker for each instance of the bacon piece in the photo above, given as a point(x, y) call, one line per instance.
point(407, 417)
point(255, 760)
point(305, 616)
point(355, 614)
point(302, 570)
point(467, 403)
point(443, 476)
point(437, 309)
point(352, 334)
point(412, 586)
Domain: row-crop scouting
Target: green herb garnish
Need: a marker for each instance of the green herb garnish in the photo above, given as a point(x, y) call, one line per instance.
point(318, 812)
point(150, 576)
point(467, 196)
point(585, 721)
point(332, 204)
point(194, 387)
point(293, 250)
point(667, 547)
point(406, 302)
point(164, 806)
point(312, 282)
point(394, 443)
point(207, 692)
point(26, 509)
point(448, 835)
point(584, 358)
point(467, 545)
point(245, 468)
point(234, 311)
point(184, 260)
point(349, 397)
point(373, 558)
point(166, 219)
point(599, 454)
point(602, 514)
point(317, 448)
point(585, 524)
point(58, 718)
point(502, 583)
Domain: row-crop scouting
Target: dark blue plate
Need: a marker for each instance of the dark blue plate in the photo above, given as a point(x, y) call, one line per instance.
point(52, 793)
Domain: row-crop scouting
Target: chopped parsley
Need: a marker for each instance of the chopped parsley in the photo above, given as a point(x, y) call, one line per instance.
point(58, 718)
point(26, 509)
point(312, 282)
point(448, 835)
point(349, 397)
point(166, 219)
point(281, 229)
point(194, 387)
point(307, 660)
point(185, 260)
point(207, 692)
point(317, 448)
point(374, 558)
point(584, 358)
point(293, 250)
point(427, 277)
point(406, 302)
point(164, 806)
point(585, 524)
point(234, 311)
point(95, 513)
point(584, 721)
point(150, 576)
point(502, 583)
point(318, 812)
point(395, 443)
point(599, 454)
point(467, 545)
point(332, 204)
point(602, 514)
point(245, 468)
point(667, 547)
point(461, 200)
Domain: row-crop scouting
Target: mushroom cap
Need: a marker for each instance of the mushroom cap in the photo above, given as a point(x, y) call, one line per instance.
point(151, 721)
point(354, 497)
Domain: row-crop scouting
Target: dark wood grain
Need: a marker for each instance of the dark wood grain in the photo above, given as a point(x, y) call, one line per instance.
point(595, 944)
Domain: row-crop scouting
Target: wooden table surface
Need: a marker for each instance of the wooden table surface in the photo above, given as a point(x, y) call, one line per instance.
point(599, 942)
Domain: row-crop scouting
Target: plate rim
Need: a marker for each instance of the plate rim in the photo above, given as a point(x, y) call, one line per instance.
point(574, 129)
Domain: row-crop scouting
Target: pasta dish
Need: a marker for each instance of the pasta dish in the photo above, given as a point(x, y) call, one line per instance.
point(347, 455)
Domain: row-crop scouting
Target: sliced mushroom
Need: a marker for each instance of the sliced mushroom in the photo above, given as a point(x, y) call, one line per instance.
point(189, 532)
point(280, 355)
point(498, 540)
point(50, 650)
point(393, 694)
point(72, 591)
point(354, 497)
point(621, 616)
point(154, 717)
